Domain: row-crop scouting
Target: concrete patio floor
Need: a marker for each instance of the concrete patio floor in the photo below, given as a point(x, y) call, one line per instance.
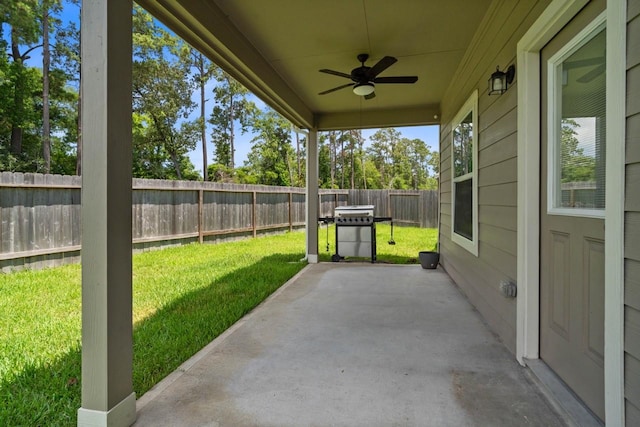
point(353, 345)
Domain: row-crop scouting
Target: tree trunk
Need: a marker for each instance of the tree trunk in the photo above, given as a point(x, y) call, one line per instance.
point(18, 100)
point(176, 165)
point(202, 117)
point(298, 157)
point(291, 184)
point(332, 156)
point(232, 147)
point(342, 158)
point(46, 60)
point(79, 147)
point(364, 171)
point(79, 144)
point(353, 161)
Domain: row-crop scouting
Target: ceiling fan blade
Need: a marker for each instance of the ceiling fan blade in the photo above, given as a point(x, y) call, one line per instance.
point(335, 73)
point(591, 75)
point(382, 65)
point(396, 79)
point(336, 88)
point(370, 96)
point(583, 62)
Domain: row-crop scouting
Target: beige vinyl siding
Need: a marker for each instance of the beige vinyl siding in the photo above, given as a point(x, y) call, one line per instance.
point(479, 277)
point(632, 220)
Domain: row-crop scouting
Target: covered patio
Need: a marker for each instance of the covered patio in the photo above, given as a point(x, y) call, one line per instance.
point(354, 345)
point(368, 344)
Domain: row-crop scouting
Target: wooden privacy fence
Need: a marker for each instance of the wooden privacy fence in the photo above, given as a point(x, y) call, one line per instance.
point(40, 214)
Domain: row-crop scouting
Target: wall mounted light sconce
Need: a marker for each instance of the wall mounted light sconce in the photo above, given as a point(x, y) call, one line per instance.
point(500, 81)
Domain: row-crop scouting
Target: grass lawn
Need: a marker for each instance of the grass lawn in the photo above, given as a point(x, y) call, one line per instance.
point(183, 298)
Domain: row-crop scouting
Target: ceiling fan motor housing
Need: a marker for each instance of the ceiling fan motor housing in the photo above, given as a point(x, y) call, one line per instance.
point(359, 74)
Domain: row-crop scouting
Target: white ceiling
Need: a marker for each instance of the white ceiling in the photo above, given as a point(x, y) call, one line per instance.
point(276, 48)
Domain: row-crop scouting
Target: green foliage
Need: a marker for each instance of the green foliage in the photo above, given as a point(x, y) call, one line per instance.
point(21, 90)
point(231, 105)
point(271, 153)
point(576, 166)
point(153, 161)
point(22, 16)
point(221, 173)
point(161, 94)
point(22, 118)
point(401, 163)
point(324, 164)
point(244, 175)
point(391, 161)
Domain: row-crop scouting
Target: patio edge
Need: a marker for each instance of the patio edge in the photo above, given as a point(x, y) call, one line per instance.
point(157, 389)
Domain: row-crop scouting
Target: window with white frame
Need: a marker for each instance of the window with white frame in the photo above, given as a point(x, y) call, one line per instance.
point(464, 181)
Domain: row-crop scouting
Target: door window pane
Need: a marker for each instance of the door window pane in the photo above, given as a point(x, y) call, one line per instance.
point(580, 143)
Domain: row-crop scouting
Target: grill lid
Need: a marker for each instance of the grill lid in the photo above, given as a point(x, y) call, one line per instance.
point(354, 211)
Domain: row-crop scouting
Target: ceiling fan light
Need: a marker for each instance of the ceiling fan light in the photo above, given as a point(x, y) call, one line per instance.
point(363, 89)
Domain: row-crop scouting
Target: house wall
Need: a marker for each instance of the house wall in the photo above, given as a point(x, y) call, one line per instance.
point(632, 219)
point(479, 277)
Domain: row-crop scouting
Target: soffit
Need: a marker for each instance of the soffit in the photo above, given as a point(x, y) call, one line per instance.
point(276, 48)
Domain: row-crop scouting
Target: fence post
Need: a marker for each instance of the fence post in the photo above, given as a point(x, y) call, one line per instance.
point(254, 216)
point(290, 217)
point(420, 201)
point(200, 215)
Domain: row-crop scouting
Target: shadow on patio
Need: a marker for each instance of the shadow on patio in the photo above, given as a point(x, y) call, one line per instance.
point(353, 344)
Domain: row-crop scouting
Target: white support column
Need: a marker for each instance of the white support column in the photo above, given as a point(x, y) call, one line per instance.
point(614, 392)
point(107, 341)
point(312, 197)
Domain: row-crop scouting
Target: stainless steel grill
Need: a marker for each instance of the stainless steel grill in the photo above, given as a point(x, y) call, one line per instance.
point(355, 231)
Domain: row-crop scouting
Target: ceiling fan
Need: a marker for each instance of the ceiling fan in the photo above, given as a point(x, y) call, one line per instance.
point(365, 78)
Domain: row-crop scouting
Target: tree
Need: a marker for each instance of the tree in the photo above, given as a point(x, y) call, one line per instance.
point(66, 58)
point(381, 151)
point(232, 104)
point(22, 18)
point(355, 140)
point(34, 102)
point(324, 163)
point(301, 144)
point(63, 119)
point(204, 70)
point(47, 8)
point(576, 166)
point(271, 153)
point(420, 160)
point(162, 92)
